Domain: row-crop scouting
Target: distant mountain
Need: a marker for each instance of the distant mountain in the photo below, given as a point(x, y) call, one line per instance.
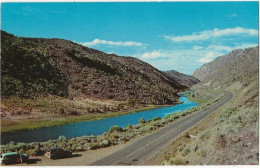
point(32, 66)
point(238, 65)
point(183, 79)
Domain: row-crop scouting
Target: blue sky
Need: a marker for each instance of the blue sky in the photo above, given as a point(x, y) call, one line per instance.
point(169, 35)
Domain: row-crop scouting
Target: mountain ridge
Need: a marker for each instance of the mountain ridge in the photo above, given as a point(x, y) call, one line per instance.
point(210, 68)
point(183, 79)
point(87, 72)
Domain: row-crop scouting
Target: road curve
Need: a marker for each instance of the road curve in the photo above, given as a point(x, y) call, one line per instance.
point(142, 149)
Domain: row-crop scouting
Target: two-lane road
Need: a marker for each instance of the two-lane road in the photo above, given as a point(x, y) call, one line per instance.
point(144, 148)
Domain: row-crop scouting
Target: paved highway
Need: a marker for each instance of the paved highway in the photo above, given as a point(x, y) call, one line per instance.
point(144, 148)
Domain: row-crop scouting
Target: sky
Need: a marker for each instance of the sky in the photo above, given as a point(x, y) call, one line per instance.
point(178, 36)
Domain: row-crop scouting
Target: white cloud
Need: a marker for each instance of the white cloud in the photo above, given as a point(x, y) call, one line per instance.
point(182, 60)
point(197, 47)
point(208, 34)
point(246, 45)
point(208, 57)
point(214, 51)
point(230, 48)
point(220, 48)
point(154, 55)
point(187, 60)
point(114, 43)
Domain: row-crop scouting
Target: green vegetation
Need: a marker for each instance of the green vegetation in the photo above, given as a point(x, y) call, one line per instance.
point(141, 121)
point(114, 136)
point(26, 72)
point(230, 138)
point(32, 66)
point(43, 79)
point(115, 129)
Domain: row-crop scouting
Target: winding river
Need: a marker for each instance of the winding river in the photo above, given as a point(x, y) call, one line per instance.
point(95, 127)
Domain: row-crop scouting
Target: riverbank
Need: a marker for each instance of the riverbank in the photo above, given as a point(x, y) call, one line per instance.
point(23, 124)
point(114, 136)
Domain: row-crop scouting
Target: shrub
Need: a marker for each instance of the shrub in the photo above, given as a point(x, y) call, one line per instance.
point(203, 153)
point(119, 107)
point(96, 82)
point(141, 121)
point(78, 148)
point(110, 96)
point(104, 108)
point(220, 141)
point(105, 143)
point(74, 113)
point(204, 135)
point(88, 109)
point(176, 117)
point(186, 152)
point(195, 147)
point(115, 129)
point(129, 126)
point(62, 138)
point(95, 145)
point(131, 102)
point(177, 162)
point(180, 148)
point(75, 87)
point(61, 111)
point(96, 109)
point(11, 143)
point(156, 118)
point(95, 91)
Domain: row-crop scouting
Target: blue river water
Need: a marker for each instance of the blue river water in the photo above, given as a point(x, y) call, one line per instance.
point(94, 127)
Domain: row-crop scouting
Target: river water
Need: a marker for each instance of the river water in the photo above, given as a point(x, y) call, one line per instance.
point(95, 127)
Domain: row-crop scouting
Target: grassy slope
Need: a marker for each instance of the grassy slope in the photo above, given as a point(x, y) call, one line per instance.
point(231, 135)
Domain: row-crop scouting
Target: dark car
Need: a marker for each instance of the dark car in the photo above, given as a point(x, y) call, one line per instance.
point(55, 153)
point(13, 157)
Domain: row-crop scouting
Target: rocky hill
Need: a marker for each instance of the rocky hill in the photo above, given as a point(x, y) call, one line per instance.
point(33, 66)
point(237, 72)
point(183, 79)
point(237, 65)
point(210, 68)
point(231, 135)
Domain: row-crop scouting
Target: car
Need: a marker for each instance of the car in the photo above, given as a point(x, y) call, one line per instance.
point(55, 153)
point(13, 157)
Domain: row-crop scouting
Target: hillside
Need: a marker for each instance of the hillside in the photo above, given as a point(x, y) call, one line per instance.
point(45, 78)
point(67, 69)
point(230, 136)
point(183, 79)
point(228, 66)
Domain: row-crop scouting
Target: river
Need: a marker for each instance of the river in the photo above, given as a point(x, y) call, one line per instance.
point(95, 127)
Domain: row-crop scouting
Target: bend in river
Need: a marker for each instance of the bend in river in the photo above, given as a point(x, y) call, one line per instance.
point(95, 127)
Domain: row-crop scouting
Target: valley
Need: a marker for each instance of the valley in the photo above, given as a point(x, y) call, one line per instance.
point(48, 82)
point(51, 82)
point(153, 83)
